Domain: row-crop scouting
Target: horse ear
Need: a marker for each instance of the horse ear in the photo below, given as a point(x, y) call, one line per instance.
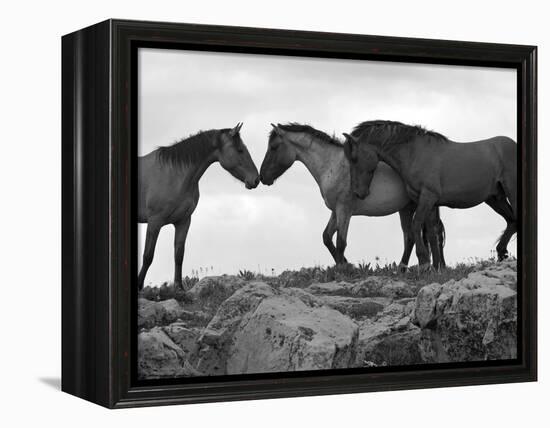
point(350, 148)
point(236, 129)
point(350, 137)
point(278, 129)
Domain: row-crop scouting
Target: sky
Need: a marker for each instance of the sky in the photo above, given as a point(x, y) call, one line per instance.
point(270, 229)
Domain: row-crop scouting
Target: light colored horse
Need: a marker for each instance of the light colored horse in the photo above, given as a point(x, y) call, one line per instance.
point(168, 185)
point(438, 172)
point(324, 157)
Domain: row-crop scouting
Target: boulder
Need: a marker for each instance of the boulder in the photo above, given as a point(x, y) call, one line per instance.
point(184, 337)
point(377, 286)
point(426, 303)
point(211, 291)
point(472, 319)
point(151, 314)
point(305, 296)
point(390, 339)
point(160, 357)
point(262, 329)
point(355, 307)
point(373, 286)
point(218, 335)
point(284, 334)
point(332, 288)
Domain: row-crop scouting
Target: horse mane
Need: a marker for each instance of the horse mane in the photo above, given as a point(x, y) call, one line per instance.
point(388, 132)
point(190, 150)
point(308, 129)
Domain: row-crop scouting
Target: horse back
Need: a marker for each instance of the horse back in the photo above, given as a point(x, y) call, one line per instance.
point(164, 191)
point(506, 149)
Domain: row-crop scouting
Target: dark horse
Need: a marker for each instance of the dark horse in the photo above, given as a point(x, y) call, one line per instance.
point(438, 172)
point(169, 185)
point(324, 157)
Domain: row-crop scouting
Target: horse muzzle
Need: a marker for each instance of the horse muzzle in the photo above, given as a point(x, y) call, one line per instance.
point(252, 184)
point(266, 181)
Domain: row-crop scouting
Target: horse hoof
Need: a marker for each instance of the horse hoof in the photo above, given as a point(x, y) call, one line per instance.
point(426, 267)
point(402, 268)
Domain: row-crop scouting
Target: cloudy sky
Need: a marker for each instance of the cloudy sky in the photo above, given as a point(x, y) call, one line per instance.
point(280, 227)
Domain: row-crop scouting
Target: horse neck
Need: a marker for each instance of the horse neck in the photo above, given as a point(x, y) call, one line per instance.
point(394, 156)
point(321, 159)
point(190, 174)
point(196, 171)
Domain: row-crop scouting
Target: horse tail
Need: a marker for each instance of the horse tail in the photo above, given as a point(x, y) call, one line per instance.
point(425, 239)
point(441, 234)
point(441, 227)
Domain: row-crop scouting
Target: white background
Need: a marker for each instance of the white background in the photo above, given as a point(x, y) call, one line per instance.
point(31, 214)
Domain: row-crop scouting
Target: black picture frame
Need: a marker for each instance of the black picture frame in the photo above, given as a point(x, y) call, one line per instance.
point(98, 227)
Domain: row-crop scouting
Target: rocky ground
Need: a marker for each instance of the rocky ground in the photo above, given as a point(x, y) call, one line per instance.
point(231, 325)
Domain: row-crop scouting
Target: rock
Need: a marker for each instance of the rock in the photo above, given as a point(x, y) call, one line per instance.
point(160, 357)
point(426, 304)
point(373, 286)
point(471, 319)
point(391, 339)
point(218, 335)
point(376, 286)
point(252, 327)
point(211, 291)
point(503, 273)
point(284, 334)
point(151, 314)
point(306, 297)
point(331, 288)
point(194, 318)
point(355, 307)
point(184, 337)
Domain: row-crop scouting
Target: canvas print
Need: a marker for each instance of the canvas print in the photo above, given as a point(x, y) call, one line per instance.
point(307, 214)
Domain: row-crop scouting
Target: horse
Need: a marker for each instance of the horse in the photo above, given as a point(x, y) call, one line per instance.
point(324, 157)
point(168, 185)
point(437, 172)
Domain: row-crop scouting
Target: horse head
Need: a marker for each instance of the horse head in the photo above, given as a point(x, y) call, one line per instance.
point(279, 157)
point(234, 157)
point(363, 160)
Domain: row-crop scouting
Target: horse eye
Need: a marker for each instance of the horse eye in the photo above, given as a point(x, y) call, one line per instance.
point(273, 148)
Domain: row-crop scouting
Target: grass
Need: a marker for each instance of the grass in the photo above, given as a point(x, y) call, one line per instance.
point(304, 277)
point(168, 291)
point(352, 273)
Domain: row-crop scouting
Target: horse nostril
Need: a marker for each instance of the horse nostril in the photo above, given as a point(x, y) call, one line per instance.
point(257, 181)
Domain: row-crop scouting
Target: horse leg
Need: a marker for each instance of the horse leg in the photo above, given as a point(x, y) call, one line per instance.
point(431, 227)
point(342, 224)
point(502, 207)
point(182, 227)
point(406, 217)
point(153, 229)
point(426, 203)
point(328, 233)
